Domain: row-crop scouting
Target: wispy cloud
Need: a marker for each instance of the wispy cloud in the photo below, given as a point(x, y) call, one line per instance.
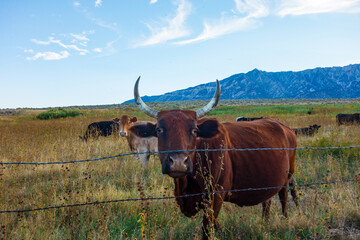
point(302, 7)
point(153, 1)
point(79, 37)
point(98, 3)
point(248, 14)
point(109, 49)
point(172, 28)
point(79, 44)
point(66, 46)
point(50, 55)
point(76, 4)
point(223, 27)
point(99, 50)
point(244, 17)
point(103, 24)
point(40, 42)
point(252, 8)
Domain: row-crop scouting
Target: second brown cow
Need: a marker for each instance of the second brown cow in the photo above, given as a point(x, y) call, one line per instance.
point(145, 145)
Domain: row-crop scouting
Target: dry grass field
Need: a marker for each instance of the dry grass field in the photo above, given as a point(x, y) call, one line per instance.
point(326, 210)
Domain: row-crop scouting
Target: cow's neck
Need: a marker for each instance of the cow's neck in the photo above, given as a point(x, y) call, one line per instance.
point(186, 185)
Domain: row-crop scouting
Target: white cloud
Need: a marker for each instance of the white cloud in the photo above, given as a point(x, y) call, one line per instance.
point(301, 7)
point(109, 49)
point(76, 4)
point(53, 40)
point(248, 14)
point(153, 1)
point(172, 29)
point(252, 9)
point(223, 27)
point(40, 42)
point(101, 23)
point(50, 55)
point(79, 45)
point(79, 37)
point(98, 3)
point(99, 50)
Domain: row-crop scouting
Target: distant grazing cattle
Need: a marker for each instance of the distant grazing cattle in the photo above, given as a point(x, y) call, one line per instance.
point(348, 118)
point(137, 144)
point(96, 129)
point(308, 131)
point(244, 119)
point(197, 171)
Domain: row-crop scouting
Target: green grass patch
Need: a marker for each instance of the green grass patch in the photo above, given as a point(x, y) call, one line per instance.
point(58, 113)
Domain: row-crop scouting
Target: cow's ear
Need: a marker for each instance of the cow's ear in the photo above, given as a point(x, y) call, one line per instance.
point(134, 119)
point(208, 128)
point(116, 120)
point(144, 130)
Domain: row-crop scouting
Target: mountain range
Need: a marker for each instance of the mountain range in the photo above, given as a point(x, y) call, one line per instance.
point(317, 83)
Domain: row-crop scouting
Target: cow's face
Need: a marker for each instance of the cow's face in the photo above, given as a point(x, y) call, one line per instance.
point(177, 130)
point(125, 122)
point(316, 127)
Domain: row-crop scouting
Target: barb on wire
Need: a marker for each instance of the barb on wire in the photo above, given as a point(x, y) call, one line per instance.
point(174, 197)
point(169, 151)
point(333, 235)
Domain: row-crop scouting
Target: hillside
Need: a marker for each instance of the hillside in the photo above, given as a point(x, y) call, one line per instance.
point(318, 83)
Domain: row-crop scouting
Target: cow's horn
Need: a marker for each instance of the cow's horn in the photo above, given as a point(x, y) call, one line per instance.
point(143, 107)
point(214, 101)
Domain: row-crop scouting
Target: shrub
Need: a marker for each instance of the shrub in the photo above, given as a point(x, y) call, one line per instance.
point(58, 113)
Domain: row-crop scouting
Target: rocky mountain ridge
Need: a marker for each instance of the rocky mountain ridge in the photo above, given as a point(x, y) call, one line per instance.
point(317, 83)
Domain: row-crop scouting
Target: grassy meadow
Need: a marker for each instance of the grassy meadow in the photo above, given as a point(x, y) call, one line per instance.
point(325, 210)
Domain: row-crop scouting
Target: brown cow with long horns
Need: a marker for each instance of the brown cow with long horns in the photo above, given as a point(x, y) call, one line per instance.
point(192, 168)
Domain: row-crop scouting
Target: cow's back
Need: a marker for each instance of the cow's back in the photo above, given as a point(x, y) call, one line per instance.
point(259, 168)
point(142, 144)
point(342, 118)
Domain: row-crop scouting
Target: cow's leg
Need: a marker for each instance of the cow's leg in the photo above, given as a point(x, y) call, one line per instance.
point(266, 209)
point(293, 191)
point(143, 158)
point(148, 158)
point(135, 150)
point(283, 195)
point(211, 211)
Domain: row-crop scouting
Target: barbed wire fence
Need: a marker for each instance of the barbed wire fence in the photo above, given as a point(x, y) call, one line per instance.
point(187, 195)
point(171, 151)
point(182, 196)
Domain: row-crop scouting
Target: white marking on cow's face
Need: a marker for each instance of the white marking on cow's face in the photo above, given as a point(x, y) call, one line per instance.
point(123, 132)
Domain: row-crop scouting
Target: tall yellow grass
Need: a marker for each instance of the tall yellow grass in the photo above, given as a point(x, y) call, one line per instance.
point(324, 210)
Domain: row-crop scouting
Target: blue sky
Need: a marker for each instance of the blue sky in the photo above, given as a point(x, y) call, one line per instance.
point(64, 53)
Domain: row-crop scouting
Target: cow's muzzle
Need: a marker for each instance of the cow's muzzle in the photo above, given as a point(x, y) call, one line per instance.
point(177, 165)
point(122, 134)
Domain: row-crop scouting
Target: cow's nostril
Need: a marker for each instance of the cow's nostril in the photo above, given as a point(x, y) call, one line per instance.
point(171, 161)
point(186, 161)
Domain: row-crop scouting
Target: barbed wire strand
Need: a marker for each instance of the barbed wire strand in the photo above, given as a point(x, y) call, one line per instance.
point(171, 151)
point(174, 197)
point(335, 235)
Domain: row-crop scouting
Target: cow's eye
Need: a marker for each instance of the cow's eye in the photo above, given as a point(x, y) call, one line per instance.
point(159, 131)
point(195, 131)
